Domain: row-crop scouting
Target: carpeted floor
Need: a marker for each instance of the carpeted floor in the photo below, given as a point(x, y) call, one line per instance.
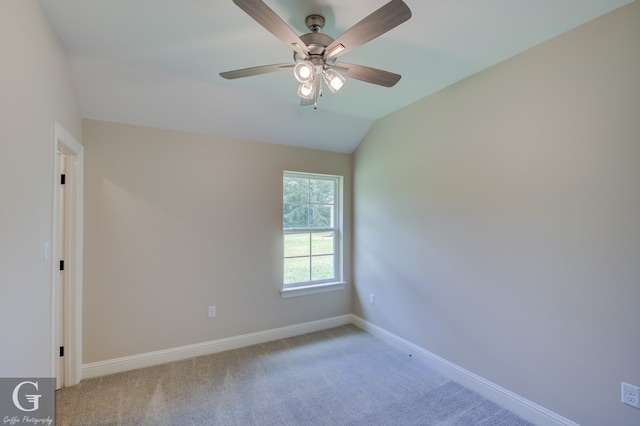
point(341, 376)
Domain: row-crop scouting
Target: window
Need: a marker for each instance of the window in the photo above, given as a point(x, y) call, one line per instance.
point(311, 228)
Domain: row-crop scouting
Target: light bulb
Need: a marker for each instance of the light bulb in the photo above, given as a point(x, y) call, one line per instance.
point(303, 71)
point(305, 90)
point(334, 80)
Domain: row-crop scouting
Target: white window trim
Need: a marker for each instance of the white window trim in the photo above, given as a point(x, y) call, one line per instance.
point(304, 289)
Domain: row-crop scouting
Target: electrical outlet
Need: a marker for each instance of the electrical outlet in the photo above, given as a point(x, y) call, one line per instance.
point(212, 312)
point(630, 395)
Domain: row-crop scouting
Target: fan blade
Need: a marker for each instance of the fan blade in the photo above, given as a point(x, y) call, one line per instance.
point(249, 72)
point(379, 22)
point(368, 74)
point(266, 17)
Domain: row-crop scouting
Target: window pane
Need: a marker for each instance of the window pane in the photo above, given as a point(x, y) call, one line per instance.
point(322, 191)
point(320, 216)
point(322, 268)
point(295, 215)
point(322, 243)
point(297, 245)
point(296, 270)
point(295, 190)
point(295, 202)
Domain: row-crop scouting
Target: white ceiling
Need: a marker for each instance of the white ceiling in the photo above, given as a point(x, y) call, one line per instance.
point(156, 62)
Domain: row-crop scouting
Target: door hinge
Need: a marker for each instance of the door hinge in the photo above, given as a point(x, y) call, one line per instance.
point(62, 179)
point(61, 350)
point(62, 265)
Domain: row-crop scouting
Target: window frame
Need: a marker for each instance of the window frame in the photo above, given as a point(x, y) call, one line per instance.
point(317, 286)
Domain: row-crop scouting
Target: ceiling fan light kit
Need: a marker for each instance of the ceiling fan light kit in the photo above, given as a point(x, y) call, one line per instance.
point(315, 54)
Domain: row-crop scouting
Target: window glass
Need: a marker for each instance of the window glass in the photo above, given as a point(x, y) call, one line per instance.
point(310, 227)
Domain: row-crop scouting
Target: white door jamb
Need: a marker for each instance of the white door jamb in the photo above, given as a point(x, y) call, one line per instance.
point(64, 142)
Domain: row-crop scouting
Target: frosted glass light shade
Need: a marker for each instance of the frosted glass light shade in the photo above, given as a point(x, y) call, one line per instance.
point(304, 71)
point(334, 80)
point(305, 90)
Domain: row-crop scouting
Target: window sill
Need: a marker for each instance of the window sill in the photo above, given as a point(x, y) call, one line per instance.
point(312, 289)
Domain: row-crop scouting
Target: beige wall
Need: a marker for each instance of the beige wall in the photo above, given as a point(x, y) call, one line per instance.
point(498, 221)
point(35, 91)
point(175, 222)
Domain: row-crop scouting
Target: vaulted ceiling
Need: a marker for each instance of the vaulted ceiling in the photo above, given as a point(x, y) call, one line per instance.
point(157, 62)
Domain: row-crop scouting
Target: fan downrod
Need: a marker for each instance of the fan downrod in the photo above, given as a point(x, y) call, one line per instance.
point(314, 22)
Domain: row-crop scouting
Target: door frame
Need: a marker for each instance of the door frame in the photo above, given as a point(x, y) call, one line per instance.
point(64, 142)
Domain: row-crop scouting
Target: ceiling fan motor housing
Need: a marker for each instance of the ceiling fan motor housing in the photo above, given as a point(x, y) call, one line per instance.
point(316, 43)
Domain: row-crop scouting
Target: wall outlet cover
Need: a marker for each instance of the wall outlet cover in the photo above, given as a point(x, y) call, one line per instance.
point(631, 395)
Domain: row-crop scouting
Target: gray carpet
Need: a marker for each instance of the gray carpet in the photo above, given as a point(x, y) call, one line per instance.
point(341, 376)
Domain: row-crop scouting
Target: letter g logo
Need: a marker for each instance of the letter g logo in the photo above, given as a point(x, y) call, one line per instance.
point(34, 399)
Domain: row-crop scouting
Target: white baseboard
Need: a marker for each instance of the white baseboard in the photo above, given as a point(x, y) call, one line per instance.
point(521, 406)
point(511, 401)
point(117, 365)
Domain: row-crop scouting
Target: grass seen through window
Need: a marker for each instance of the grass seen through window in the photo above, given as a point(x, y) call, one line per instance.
point(308, 257)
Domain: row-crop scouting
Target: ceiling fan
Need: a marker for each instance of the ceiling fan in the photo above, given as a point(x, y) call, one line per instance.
point(315, 54)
